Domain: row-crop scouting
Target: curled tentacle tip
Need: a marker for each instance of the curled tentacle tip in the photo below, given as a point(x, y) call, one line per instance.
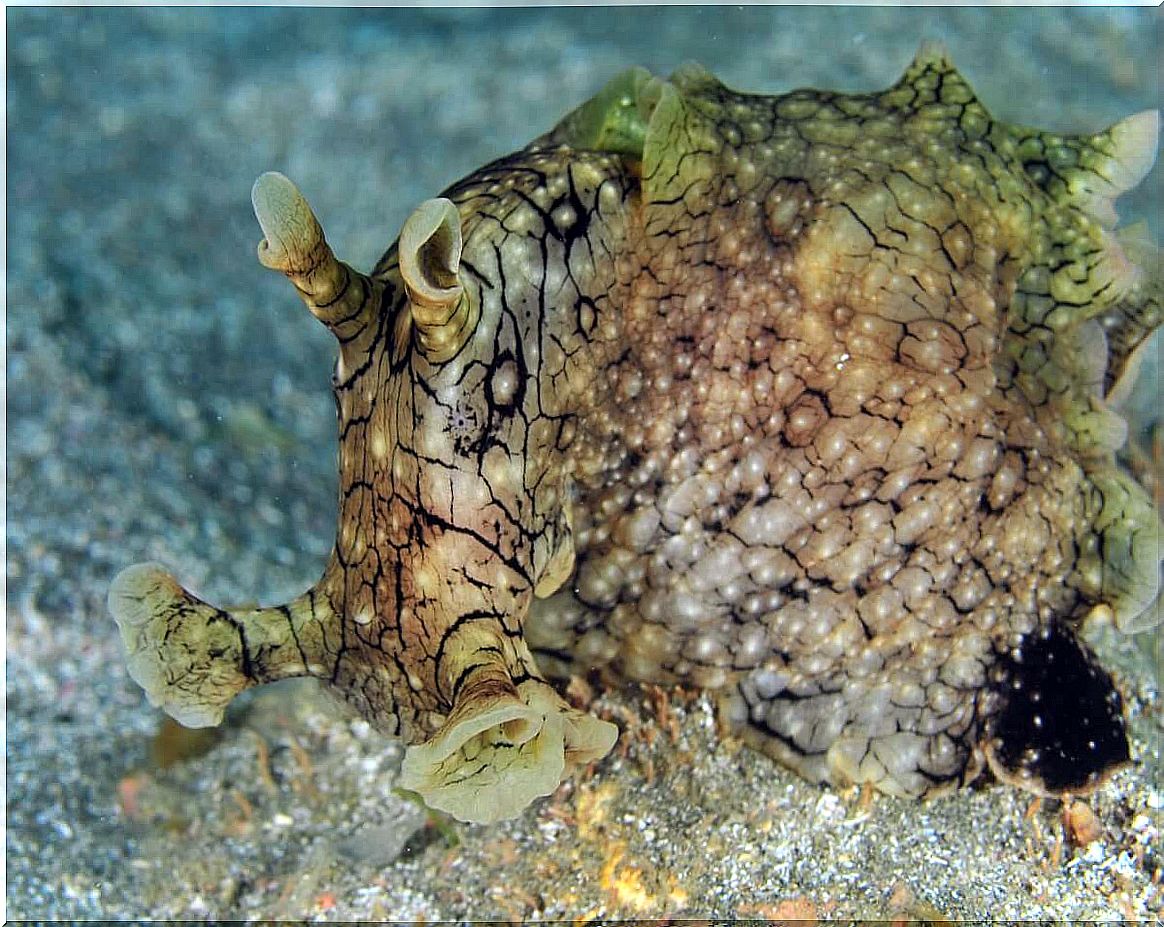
point(1138, 138)
point(128, 589)
point(185, 654)
point(290, 229)
point(430, 254)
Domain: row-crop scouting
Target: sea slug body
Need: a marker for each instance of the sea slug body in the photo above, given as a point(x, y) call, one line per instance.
point(806, 399)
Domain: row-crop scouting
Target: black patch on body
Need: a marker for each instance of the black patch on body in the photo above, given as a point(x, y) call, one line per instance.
point(1059, 718)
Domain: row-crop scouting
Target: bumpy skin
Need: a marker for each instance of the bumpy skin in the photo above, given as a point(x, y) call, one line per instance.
point(799, 398)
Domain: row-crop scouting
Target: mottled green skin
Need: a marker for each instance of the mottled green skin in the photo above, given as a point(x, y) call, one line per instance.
point(865, 448)
point(800, 398)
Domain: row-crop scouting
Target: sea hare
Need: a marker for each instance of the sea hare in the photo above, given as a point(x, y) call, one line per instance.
point(806, 399)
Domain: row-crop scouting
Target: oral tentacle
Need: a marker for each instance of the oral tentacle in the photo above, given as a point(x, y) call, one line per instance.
point(193, 658)
point(509, 739)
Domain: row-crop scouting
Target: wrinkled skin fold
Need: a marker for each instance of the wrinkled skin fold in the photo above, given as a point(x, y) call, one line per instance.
point(807, 399)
